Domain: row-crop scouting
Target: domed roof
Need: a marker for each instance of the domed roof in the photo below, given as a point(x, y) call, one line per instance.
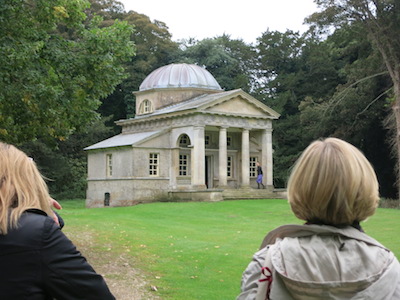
point(180, 75)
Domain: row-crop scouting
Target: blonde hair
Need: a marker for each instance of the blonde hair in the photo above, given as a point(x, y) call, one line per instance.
point(21, 187)
point(333, 183)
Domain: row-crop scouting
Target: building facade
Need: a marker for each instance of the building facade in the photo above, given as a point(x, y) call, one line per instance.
point(189, 140)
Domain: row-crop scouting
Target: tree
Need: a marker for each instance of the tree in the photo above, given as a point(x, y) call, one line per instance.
point(381, 20)
point(358, 107)
point(65, 167)
point(293, 68)
point(154, 49)
point(54, 69)
point(231, 62)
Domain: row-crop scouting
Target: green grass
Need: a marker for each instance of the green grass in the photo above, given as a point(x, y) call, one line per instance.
point(199, 249)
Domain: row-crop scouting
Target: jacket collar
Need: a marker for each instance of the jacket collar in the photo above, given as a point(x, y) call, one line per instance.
point(312, 229)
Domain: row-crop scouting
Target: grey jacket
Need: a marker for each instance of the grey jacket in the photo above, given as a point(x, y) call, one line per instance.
point(322, 262)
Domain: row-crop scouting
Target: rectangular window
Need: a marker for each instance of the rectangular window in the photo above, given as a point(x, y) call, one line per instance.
point(109, 164)
point(207, 140)
point(153, 164)
point(229, 171)
point(253, 167)
point(229, 141)
point(146, 106)
point(183, 164)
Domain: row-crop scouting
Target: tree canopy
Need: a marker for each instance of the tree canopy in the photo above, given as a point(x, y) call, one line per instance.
point(54, 68)
point(380, 23)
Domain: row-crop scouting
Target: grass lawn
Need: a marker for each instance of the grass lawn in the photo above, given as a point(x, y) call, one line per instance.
point(198, 250)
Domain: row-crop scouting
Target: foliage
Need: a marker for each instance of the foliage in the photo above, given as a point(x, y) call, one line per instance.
point(294, 68)
point(189, 246)
point(65, 166)
point(326, 87)
point(380, 21)
point(233, 63)
point(389, 203)
point(53, 69)
point(154, 49)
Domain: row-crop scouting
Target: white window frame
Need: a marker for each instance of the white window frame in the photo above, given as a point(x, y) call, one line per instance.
point(146, 107)
point(229, 166)
point(253, 166)
point(154, 164)
point(184, 160)
point(109, 165)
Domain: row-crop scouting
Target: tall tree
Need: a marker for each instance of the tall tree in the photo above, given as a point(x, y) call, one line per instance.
point(293, 67)
point(381, 19)
point(358, 108)
point(54, 69)
point(232, 62)
point(155, 48)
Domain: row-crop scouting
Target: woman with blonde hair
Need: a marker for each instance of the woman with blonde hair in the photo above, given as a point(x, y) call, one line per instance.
point(37, 260)
point(333, 188)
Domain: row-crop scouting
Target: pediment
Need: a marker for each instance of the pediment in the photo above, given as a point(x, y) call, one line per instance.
point(241, 104)
point(237, 105)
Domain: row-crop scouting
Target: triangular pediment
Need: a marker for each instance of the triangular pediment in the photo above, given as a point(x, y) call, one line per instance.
point(237, 105)
point(240, 103)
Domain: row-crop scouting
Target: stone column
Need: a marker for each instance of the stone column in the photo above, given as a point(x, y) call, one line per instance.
point(174, 170)
point(223, 157)
point(267, 162)
point(245, 158)
point(198, 158)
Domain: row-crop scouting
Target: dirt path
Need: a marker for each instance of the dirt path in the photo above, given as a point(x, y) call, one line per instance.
point(124, 281)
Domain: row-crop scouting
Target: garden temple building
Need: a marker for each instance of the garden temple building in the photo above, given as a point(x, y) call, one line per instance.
point(189, 140)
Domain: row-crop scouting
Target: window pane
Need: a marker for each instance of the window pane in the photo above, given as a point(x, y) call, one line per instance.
point(153, 164)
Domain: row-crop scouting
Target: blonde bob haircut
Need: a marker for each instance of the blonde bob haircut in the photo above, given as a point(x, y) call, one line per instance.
point(21, 187)
point(333, 183)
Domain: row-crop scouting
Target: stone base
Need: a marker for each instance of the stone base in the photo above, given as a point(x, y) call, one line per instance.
point(195, 195)
point(211, 195)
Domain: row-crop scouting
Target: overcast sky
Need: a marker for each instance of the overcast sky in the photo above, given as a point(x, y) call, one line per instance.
point(240, 19)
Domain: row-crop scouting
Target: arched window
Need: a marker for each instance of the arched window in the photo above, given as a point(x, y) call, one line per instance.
point(184, 155)
point(146, 107)
point(184, 141)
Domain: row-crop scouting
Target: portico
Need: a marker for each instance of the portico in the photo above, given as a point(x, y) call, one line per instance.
point(186, 140)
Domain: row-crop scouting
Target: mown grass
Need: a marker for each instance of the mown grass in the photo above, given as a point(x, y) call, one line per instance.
point(198, 250)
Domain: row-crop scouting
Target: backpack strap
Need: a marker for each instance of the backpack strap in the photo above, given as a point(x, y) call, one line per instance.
point(266, 277)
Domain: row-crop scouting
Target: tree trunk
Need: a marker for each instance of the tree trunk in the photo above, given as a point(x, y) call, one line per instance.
point(396, 111)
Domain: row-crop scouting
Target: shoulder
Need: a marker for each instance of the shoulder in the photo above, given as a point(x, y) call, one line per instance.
point(300, 231)
point(256, 264)
point(32, 219)
point(33, 225)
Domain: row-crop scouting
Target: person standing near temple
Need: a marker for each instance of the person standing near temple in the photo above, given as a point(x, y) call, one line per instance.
point(259, 175)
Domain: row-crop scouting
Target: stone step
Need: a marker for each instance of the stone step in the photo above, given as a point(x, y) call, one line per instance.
point(230, 194)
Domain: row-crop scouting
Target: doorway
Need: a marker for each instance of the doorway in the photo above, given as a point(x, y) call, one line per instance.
point(208, 172)
point(107, 199)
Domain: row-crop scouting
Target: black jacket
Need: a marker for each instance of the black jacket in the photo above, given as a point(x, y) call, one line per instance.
point(37, 261)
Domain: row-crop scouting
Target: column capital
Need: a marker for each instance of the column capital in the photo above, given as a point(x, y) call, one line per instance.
point(268, 130)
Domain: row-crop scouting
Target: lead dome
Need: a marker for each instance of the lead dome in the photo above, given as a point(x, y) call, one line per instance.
point(180, 76)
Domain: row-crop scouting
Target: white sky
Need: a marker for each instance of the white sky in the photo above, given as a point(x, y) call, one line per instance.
point(246, 19)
